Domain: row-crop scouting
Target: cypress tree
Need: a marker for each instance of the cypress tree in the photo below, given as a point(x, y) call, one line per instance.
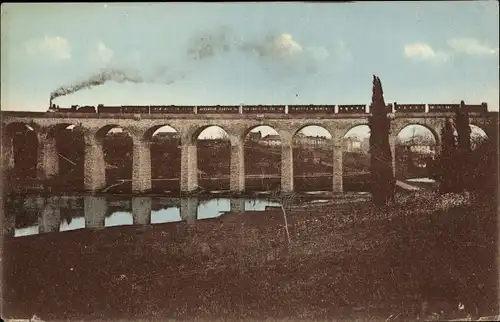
point(464, 147)
point(381, 172)
point(447, 171)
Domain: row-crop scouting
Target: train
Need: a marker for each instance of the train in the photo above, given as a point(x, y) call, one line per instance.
point(261, 109)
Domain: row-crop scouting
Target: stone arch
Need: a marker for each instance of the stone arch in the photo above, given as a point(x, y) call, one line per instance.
point(433, 128)
point(262, 158)
point(356, 158)
point(414, 157)
point(479, 128)
point(477, 135)
point(21, 145)
point(165, 155)
point(193, 135)
point(250, 128)
point(68, 140)
point(213, 158)
point(312, 146)
point(435, 136)
point(348, 128)
point(148, 134)
point(12, 127)
point(55, 129)
point(306, 125)
point(101, 133)
point(117, 156)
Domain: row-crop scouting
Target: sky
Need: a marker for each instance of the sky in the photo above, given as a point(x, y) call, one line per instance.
point(248, 53)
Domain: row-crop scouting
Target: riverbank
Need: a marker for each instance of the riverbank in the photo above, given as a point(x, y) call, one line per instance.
point(344, 261)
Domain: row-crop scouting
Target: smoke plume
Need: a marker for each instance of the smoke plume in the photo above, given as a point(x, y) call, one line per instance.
point(98, 79)
point(210, 43)
point(161, 75)
point(277, 52)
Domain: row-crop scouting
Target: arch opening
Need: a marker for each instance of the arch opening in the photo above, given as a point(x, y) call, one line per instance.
point(356, 159)
point(477, 136)
point(415, 154)
point(117, 147)
point(312, 159)
point(165, 159)
point(70, 149)
point(262, 150)
point(21, 158)
point(213, 158)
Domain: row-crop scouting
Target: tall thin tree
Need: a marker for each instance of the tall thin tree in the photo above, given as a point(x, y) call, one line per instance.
point(381, 172)
point(447, 170)
point(464, 146)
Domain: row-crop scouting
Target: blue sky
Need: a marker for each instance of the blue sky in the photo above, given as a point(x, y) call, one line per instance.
point(252, 53)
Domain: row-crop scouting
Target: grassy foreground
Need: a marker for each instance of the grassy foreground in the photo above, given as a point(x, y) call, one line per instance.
point(343, 262)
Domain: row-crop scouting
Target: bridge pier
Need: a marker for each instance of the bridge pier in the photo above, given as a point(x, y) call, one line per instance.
point(50, 218)
point(141, 166)
point(8, 224)
point(337, 166)
point(141, 210)
point(48, 157)
point(94, 165)
point(392, 144)
point(189, 167)
point(189, 209)
point(95, 211)
point(237, 205)
point(237, 171)
point(7, 152)
point(286, 167)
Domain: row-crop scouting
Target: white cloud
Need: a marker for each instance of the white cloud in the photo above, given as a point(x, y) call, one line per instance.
point(285, 45)
point(102, 55)
point(465, 46)
point(57, 48)
point(318, 53)
point(422, 51)
point(471, 46)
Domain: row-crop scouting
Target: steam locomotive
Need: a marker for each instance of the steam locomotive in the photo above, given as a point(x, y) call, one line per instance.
point(102, 109)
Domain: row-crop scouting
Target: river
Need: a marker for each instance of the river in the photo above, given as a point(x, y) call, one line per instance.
point(35, 214)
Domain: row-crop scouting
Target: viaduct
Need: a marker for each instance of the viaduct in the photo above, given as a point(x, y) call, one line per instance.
point(141, 127)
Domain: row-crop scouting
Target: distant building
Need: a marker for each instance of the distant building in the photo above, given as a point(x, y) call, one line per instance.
point(315, 141)
point(254, 136)
point(353, 144)
point(162, 136)
point(421, 149)
point(271, 140)
point(419, 144)
point(365, 145)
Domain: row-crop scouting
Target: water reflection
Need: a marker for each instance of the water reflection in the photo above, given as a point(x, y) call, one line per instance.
point(213, 208)
point(72, 224)
point(36, 214)
point(26, 231)
point(172, 214)
point(119, 219)
point(259, 205)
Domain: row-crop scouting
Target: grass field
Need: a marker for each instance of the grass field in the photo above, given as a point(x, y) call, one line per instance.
point(343, 262)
